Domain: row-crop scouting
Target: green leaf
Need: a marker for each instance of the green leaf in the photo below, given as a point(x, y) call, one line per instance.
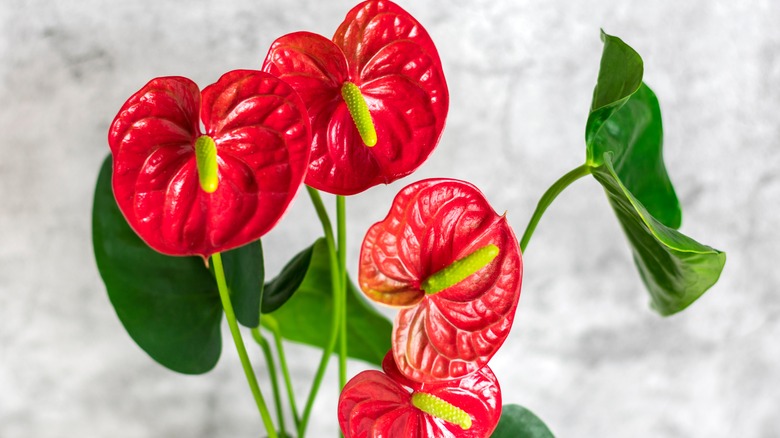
point(306, 317)
point(168, 305)
point(284, 285)
point(244, 274)
point(624, 138)
point(518, 422)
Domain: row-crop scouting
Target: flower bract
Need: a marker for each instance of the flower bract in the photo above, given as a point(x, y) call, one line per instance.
point(376, 96)
point(385, 404)
point(251, 158)
point(434, 226)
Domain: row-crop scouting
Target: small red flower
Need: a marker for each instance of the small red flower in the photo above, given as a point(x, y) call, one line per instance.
point(376, 96)
point(255, 155)
point(376, 404)
point(455, 327)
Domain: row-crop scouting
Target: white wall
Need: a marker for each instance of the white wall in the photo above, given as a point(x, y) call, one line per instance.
point(586, 352)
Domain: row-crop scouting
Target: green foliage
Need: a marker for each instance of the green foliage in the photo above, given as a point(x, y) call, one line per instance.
point(624, 138)
point(281, 288)
point(305, 318)
point(169, 305)
point(518, 422)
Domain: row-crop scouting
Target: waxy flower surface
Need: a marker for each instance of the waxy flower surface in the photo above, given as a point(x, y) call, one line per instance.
point(376, 96)
point(377, 404)
point(443, 229)
point(250, 160)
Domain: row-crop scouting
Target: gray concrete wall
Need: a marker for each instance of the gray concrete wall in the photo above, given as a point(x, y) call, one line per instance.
point(586, 352)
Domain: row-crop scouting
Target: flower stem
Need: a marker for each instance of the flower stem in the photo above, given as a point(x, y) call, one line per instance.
point(285, 371)
point(240, 348)
point(341, 219)
point(269, 360)
point(316, 200)
point(547, 199)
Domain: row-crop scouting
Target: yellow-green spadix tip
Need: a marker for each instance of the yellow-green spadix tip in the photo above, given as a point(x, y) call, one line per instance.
point(358, 109)
point(206, 160)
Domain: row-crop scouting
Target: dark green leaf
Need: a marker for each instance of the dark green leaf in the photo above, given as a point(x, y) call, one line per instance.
point(306, 317)
point(281, 288)
point(518, 422)
point(624, 138)
point(168, 305)
point(244, 274)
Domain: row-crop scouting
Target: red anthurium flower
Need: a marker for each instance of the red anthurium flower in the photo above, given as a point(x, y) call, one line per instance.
point(376, 404)
point(376, 96)
point(187, 192)
point(454, 265)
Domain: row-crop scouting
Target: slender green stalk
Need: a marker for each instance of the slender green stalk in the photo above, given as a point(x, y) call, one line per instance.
point(269, 360)
point(240, 348)
point(341, 221)
point(285, 372)
point(316, 200)
point(547, 199)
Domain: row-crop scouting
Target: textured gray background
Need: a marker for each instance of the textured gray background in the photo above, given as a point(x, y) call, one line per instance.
point(586, 352)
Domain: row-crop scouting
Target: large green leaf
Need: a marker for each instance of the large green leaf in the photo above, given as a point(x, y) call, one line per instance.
point(624, 138)
point(169, 305)
point(306, 317)
point(518, 422)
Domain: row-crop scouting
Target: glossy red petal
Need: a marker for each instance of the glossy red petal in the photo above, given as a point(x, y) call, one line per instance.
point(261, 132)
point(431, 224)
point(391, 58)
point(376, 404)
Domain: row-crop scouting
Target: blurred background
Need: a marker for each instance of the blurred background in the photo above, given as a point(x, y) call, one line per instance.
point(586, 353)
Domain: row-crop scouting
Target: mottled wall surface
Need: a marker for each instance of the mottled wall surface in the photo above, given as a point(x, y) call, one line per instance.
point(586, 353)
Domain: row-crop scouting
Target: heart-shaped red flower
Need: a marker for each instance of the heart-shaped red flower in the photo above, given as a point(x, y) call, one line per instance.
point(431, 225)
point(376, 404)
point(396, 72)
point(260, 131)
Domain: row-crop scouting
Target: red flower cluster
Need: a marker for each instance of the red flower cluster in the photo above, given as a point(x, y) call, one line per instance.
point(453, 265)
point(342, 115)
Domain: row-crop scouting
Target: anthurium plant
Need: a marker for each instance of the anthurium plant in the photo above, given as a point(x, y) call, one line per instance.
point(195, 178)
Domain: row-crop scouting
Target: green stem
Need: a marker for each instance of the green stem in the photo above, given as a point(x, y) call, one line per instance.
point(230, 315)
point(316, 200)
point(269, 360)
point(547, 199)
point(285, 372)
point(341, 220)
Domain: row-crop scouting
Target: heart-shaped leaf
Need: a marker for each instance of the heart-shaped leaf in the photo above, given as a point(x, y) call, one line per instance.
point(284, 285)
point(375, 403)
point(392, 61)
point(518, 422)
point(306, 317)
point(624, 151)
point(431, 225)
point(169, 305)
point(259, 134)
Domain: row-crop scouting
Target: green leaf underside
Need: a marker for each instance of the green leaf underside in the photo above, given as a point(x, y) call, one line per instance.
point(675, 268)
point(168, 305)
point(624, 138)
point(518, 422)
point(306, 317)
point(284, 285)
point(244, 274)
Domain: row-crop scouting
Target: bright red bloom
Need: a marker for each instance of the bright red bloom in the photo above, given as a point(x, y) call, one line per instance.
point(261, 133)
point(391, 59)
point(376, 404)
point(431, 224)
